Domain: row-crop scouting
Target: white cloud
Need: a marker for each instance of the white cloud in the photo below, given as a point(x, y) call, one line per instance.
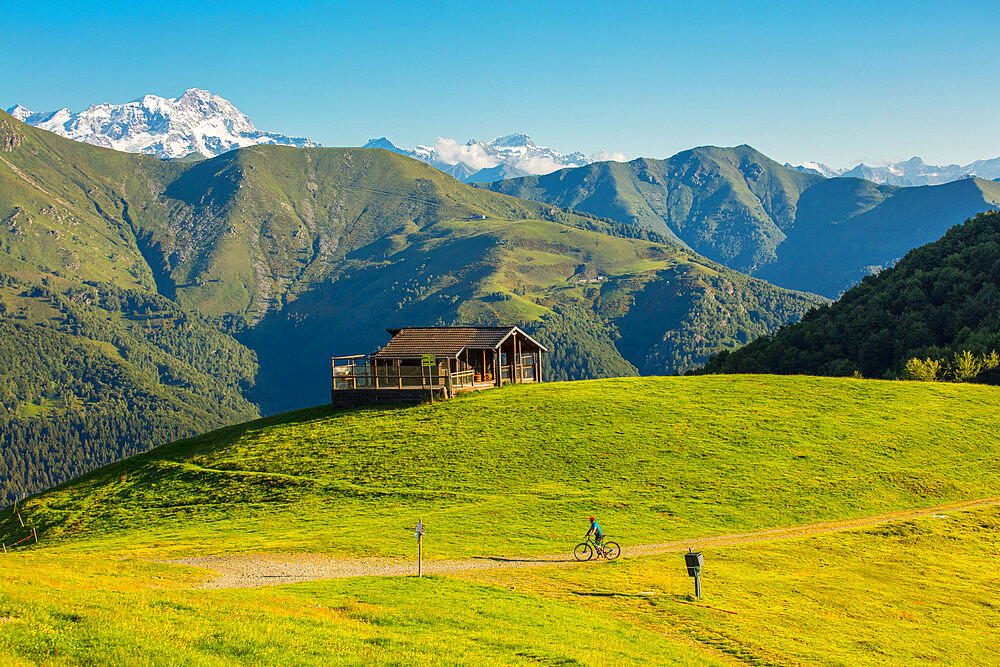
point(605, 156)
point(475, 156)
point(538, 165)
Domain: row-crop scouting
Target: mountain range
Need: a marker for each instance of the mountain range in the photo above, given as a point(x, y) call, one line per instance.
point(196, 122)
point(201, 124)
point(738, 207)
point(170, 297)
point(483, 162)
point(910, 172)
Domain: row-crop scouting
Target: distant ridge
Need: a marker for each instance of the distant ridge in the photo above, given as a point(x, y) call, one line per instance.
point(794, 228)
point(908, 173)
point(195, 122)
point(508, 156)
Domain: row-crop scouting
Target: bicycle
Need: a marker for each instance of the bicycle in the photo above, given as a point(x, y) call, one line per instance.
point(607, 549)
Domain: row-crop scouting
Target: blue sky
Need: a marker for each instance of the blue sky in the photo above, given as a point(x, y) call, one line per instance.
point(836, 83)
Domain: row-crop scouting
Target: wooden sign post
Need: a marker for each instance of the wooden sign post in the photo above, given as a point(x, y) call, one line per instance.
point(418, 532)
point(427, 361)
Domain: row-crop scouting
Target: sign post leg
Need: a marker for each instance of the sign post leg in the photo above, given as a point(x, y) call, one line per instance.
point(420, 556)
point(697, 582)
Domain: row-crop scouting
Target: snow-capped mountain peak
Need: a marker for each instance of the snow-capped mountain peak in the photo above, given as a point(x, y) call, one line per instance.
point(197, 121)
point(19, 112)
point(512, 141)
point(474, 161)
point(816, 168)
point(908, 173)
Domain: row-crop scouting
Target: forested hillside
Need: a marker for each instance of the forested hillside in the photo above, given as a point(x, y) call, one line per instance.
point(94, 372)
point(939, 301)
point(170, 298)
point(739, 207)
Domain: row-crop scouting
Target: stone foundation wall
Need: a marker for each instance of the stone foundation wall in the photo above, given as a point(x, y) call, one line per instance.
point(355, 398)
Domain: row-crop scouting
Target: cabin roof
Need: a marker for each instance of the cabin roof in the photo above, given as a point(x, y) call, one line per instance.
point(410, 342)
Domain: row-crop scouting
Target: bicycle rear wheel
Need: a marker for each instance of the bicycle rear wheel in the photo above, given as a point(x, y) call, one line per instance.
point(611, 550)
point(583, 551)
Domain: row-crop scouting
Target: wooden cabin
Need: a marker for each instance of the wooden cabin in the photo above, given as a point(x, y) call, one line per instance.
point(439, 361)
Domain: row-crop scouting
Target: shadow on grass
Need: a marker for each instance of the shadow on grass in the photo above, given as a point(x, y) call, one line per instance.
point(613, 595)
point(499, 559)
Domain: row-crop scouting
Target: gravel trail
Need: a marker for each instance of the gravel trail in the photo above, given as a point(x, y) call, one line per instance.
point(263, 569)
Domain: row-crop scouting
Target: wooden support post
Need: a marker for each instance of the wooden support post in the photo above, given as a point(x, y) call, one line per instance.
point(375, 371)
point(399, 374)
point(517, 361)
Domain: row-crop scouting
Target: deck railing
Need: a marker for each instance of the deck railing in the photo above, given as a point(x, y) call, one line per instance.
point(357, 372)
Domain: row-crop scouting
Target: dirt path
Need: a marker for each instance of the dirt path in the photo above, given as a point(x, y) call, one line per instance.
point(256, 570)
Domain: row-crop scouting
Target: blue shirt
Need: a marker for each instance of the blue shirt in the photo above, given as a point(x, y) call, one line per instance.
point(596, 527)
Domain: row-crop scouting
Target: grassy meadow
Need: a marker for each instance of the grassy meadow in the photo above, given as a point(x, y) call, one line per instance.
point(914, 592)
point(516, 471)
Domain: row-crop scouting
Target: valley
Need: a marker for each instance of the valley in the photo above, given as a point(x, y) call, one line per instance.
point(280, 257)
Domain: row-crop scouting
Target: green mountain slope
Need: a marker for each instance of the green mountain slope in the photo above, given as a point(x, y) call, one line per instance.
point(517, 470)
point(839, 250)
point(740, 208)
point(941, 298)
point(732, 205)
point(301, 254)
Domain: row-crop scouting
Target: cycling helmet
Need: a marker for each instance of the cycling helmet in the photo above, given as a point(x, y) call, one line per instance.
point(592, 518)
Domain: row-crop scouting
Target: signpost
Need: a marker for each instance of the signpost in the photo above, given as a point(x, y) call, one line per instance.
point(694, 561)
point(427, 361)
point(418, 532)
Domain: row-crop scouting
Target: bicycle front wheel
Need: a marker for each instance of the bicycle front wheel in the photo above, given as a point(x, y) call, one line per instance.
point(612, 550)
point(583, 551)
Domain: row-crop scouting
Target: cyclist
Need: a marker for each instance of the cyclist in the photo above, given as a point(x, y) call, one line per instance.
point(595, 530)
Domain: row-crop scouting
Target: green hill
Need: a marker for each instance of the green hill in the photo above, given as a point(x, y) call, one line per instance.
point(739, 207)
point(514, 472)
point(939, 300)
point(275, 258)
point(517, 470)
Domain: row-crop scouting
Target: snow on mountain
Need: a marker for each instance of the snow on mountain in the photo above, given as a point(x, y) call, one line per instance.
point(816, 168)
point(197, 121)
point(909, 173)
point(478, 162)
